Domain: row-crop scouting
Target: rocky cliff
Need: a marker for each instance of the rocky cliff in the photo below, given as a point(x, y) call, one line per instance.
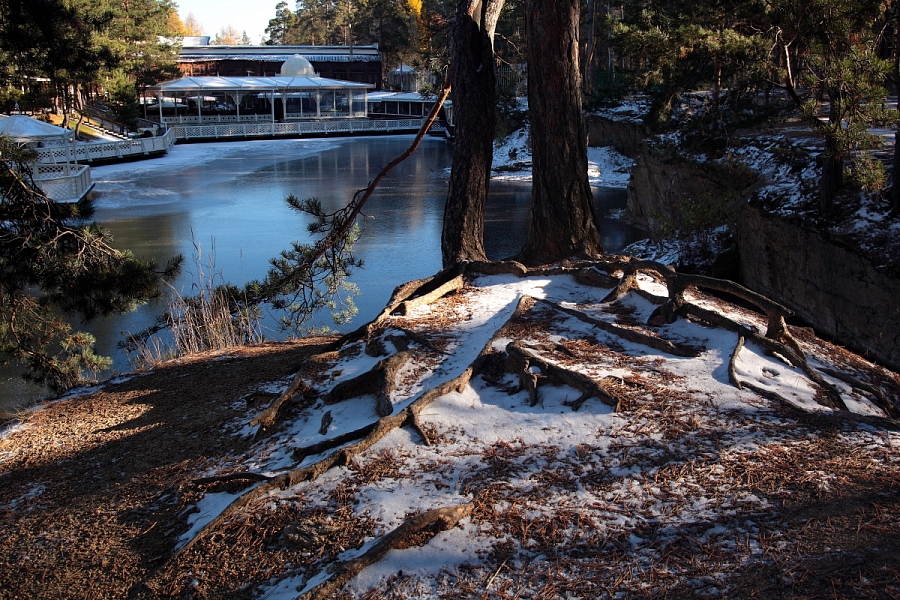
point(829, 284)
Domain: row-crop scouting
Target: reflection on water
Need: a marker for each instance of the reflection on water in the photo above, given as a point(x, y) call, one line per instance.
point(226, 201)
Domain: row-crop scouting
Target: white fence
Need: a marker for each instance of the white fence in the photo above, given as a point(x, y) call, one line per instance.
point(197, 120)
point(64, 182)
point(87, 153)
point(297, 128)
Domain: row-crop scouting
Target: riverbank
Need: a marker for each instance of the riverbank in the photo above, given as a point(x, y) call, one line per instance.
point(675, 482)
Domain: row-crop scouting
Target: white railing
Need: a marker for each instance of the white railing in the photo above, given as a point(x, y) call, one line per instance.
point(195, 120)
point(65, 182)
point(104, 150)
point(313, 128)
point(266, 118)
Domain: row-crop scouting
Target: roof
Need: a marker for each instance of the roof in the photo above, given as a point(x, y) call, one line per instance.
point(399, 97)
point(194, 84)
point(20, 128)
point(280, 53)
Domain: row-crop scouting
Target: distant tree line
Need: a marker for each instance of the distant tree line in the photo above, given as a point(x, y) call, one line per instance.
point(60, 54)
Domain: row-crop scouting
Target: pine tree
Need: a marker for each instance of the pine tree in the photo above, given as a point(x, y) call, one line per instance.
point(563, 220)
point(55, 267)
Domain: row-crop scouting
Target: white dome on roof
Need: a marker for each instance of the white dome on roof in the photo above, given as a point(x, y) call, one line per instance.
point(297, 66)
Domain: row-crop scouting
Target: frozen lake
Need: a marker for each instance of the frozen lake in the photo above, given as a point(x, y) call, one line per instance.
point(228, 199)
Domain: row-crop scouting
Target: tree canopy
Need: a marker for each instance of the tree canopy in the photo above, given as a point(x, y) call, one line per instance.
point(84, 47)
point(55, 267)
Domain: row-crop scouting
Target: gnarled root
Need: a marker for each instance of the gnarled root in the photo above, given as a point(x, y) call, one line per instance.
point(433, 521)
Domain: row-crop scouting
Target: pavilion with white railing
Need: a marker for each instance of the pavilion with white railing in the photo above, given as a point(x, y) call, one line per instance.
point(61, 179)
point(296, 102)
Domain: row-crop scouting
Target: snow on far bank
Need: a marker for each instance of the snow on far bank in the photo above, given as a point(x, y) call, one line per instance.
point(512, 162)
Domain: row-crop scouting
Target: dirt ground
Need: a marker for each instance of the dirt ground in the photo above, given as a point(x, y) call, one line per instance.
point(92, 489)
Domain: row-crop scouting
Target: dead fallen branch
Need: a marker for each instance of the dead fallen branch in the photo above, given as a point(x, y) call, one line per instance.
point(433, 522)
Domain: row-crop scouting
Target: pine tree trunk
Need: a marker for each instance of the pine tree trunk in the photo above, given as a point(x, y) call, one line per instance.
point(832, 160)
point(473, 81)
point(895, 73)
point(895, 172)
point(832, 169)
point(563, 222)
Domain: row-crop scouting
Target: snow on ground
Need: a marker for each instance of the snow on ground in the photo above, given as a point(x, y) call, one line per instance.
point(660, 493)
point(512, 162)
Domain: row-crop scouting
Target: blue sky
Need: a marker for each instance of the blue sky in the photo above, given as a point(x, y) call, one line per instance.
point(215, 15)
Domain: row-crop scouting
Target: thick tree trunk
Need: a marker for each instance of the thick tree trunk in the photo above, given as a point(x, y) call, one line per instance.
point(895, 73)
point(473, 80)
point(895, 186)
point(563, 222)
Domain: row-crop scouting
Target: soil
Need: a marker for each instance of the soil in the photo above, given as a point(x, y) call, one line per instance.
point(93, 489)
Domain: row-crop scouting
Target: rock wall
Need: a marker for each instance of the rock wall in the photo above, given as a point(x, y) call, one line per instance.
point(667, 190)
point(828, 284)
point(625, 137)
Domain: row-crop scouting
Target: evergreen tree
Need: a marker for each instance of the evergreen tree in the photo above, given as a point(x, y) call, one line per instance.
point(474, 98)
point(825, 58)
point(280, 27)
point(675, 47)
point(53, 265)
point(563, 221)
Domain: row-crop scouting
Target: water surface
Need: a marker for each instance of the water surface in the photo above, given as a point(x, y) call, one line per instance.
point(224, 202)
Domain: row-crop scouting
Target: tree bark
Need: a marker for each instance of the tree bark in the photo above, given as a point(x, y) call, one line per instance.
point(895, 74)
point(474, 85)
point(563, 222)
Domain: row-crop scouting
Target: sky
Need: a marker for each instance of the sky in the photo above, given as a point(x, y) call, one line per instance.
point(215, 15)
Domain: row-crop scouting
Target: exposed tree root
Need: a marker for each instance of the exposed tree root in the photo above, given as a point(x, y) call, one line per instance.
point(631, 335)
point(433, 522)
point(380, 381)
point(365, 437)
point(519, 359)
point(840, 415)
point(267, 418)
point(523, 358)
point(402, 293)
point(242, 476)
point(451, 286)
point(777, 339)
point(877, 394)
point(677, 283)
point(732, 371)
point(787, 353)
